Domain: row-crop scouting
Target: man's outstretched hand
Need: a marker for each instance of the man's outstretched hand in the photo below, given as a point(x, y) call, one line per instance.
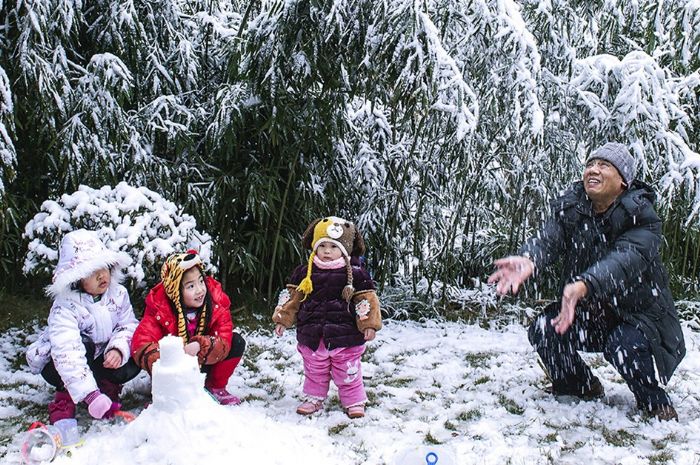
point(572, 294)
point(511, 272)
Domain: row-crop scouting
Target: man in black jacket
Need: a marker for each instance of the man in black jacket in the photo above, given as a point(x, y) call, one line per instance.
point(615, 296)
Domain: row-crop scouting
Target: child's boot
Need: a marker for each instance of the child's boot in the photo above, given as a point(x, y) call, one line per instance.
point(218, 376)
point(356, 411)
point(223, 397)
point(61, 407)
point(310, 405)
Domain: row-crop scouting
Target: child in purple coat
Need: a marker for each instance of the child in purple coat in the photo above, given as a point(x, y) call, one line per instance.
point(333, 302)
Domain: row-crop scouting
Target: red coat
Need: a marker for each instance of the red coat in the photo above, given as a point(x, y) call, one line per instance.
point(159, 318)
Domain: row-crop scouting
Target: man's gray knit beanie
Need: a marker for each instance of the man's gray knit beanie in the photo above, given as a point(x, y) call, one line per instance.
point(619, 157)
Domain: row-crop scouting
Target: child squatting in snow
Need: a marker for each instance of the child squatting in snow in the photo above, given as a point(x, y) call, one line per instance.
point(84, 351)
point(193, 306)
point(333, 302)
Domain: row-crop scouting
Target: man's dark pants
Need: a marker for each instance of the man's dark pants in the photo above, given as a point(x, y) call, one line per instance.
point(622, 344)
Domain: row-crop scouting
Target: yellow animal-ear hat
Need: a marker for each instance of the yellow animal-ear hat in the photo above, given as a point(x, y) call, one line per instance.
point(340, 232)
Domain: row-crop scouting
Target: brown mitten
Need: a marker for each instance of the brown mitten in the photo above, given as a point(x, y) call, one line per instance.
point(287, 307)
point(146, 355)
point(368, 312)
point(212, 349)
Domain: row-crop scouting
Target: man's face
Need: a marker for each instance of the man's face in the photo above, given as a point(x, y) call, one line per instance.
point(602, 181)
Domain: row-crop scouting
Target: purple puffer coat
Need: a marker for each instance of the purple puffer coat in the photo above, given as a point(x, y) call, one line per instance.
point(324, 313)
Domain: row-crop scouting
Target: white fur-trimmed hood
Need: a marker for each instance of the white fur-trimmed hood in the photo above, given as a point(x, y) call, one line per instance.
point(81, 253)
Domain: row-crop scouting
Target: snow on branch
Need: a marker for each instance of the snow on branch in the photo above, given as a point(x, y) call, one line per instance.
point(109, 71)
point(166, 114)
point(643, 104)
point(522, 59)
point(130, 219)
point(455, 96)
point(229, 101)
point(8, 155)
point(98, 126)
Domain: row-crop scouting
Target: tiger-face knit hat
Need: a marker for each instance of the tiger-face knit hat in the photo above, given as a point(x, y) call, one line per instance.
point(343, 234)
point(171, 274)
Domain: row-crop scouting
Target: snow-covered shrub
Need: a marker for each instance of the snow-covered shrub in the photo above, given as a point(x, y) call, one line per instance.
point(8, 155)
point(130, 219)
point(689, 312)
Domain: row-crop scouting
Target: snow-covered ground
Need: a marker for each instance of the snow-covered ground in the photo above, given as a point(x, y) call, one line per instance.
point(476, 393)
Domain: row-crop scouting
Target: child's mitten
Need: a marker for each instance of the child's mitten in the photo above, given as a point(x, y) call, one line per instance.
point(367, 310)
point(146, 355)
point(192, 348)
point(100, 406)
point(284, 297)
point(287, 307)
point(212, 349)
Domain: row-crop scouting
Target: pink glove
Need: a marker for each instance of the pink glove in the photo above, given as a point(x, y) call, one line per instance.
point(100, 406)
point(192, 348)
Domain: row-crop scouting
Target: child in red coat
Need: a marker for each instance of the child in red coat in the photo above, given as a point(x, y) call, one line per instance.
point(189, 304)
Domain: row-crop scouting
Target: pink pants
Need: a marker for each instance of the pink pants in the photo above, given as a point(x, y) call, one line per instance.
point(341, 364)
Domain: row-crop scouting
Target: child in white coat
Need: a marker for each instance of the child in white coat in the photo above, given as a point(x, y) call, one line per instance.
point(84, 351)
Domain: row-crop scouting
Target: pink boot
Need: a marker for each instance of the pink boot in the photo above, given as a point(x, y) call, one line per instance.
point(356, 411)
point(224, 397)
point(61, 408)
point(309, 406)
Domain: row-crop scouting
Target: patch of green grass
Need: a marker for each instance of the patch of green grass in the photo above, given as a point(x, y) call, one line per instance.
point(385, 394)
point(572, 447)
point(482, 380)
point(31, 411)
point(661, 458)
point(660, 444)
point(398, 412)
point(135, 400)
point(371, 398)
point(399, 382)
point(334, 403)
point(270, 385)
point(597, 361)
point(369, 355)
point(20, 361)
point(551, 437)
point(337, 429)
point(422, 395)
point(20, 311)
point(619, 438)
point(251, 355)
point(469, 415)
point(478, 359)
point(450, 426)
point(430, 439)
point(510, 405)
point(264, 382)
